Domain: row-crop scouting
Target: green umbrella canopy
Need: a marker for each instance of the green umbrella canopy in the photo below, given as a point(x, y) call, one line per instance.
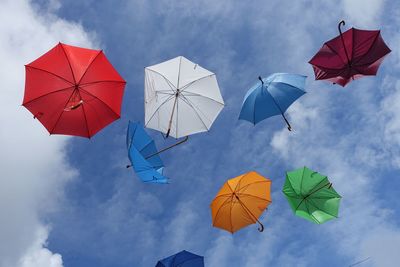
point(311, 195)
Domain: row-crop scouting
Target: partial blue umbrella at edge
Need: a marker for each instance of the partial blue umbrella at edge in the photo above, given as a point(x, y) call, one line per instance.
point(182, 259)
point(143, 155)
point(272, 96)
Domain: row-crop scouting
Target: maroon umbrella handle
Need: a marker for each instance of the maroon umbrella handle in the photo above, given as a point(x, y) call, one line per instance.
point(342, 23)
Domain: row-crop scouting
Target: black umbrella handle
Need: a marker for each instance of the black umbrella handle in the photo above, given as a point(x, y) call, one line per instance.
point(261, 228)
point(289, 127)
point(342, 23)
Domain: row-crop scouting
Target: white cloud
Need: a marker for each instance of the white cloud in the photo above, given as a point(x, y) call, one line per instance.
point(39, 256)
point(33, 165)
point(363, 13)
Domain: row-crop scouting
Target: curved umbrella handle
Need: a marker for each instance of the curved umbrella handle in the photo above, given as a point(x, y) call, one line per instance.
point(261, 228)
point(342, 23)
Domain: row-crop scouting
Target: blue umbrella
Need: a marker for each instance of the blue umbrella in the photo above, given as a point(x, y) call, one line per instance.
point(182, 259)
point(272, 96)
point(143, 155)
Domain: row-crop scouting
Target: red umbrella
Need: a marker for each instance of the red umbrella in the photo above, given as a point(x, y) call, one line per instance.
point(73, 90)
point(352, 54)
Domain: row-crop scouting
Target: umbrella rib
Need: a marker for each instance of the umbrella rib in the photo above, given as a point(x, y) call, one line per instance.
point(164, 93)
point(249, 213)
point(105, 104)
point(311, 203)
point(84, 115)
point(187, 101)
point(336, 53)
point(151, 117)
point(369, 49)
point(192, 82)
point(292, 86)
point(57, 91)
point(103, 81)
point(177, 118)
point(291, 186)
point(308, 211)
point(69, 64)
point(195, 94)
point(90, 64)
point(132, 135)
point(246, 186)
point(230, 213)
point(59, 117)
point(302, 200)
point(55, 75)
point(302, 179)
point(220, 207)
point(248, 195)
point(313, 192)
point(168, 81)
point(373, 43)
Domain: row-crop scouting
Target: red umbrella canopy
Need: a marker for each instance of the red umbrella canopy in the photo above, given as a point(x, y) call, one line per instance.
point(73, 90)
point(351, 55)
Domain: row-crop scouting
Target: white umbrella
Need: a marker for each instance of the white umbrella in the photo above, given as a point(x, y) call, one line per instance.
point(181, 98)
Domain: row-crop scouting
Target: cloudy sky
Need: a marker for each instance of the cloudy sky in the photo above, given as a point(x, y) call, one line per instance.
point(71, 202)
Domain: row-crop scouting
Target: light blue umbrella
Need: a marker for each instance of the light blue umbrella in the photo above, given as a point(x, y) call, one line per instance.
point(182, 259)
point(143, 155)
point(272, 96)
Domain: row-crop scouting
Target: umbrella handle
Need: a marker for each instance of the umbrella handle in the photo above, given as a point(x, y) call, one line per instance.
point(261, 228)
point(342, 23)
point(169, 147)
point(289, 127)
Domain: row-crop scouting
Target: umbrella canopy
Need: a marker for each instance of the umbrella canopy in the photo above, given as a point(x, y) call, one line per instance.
point(181, 98)
point(241, 201)
point(272, 96)
point(311, 195)
point(73, 90)
point(352, 54)
point(143, 154)
point(182, 259)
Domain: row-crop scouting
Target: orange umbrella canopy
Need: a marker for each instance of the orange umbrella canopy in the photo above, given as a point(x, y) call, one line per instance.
point(241, 201)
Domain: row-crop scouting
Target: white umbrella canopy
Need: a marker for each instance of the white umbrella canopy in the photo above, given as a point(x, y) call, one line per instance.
point(181, 98)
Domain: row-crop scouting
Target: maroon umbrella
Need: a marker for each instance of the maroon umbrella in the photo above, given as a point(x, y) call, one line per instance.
point(352, 54)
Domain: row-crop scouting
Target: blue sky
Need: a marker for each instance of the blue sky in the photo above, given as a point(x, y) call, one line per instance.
point(102, 215)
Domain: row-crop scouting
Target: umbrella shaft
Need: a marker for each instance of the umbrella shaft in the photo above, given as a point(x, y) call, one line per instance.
point(169, 147)
point(172, 115)
point(249, 212)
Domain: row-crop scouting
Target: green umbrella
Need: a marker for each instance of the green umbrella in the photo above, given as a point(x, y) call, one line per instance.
point(311, 195)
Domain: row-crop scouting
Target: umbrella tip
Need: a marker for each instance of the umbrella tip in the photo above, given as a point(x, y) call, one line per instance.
point(259, 77)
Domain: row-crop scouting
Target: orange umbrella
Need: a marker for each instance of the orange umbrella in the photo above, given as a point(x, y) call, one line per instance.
point(240, 202)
